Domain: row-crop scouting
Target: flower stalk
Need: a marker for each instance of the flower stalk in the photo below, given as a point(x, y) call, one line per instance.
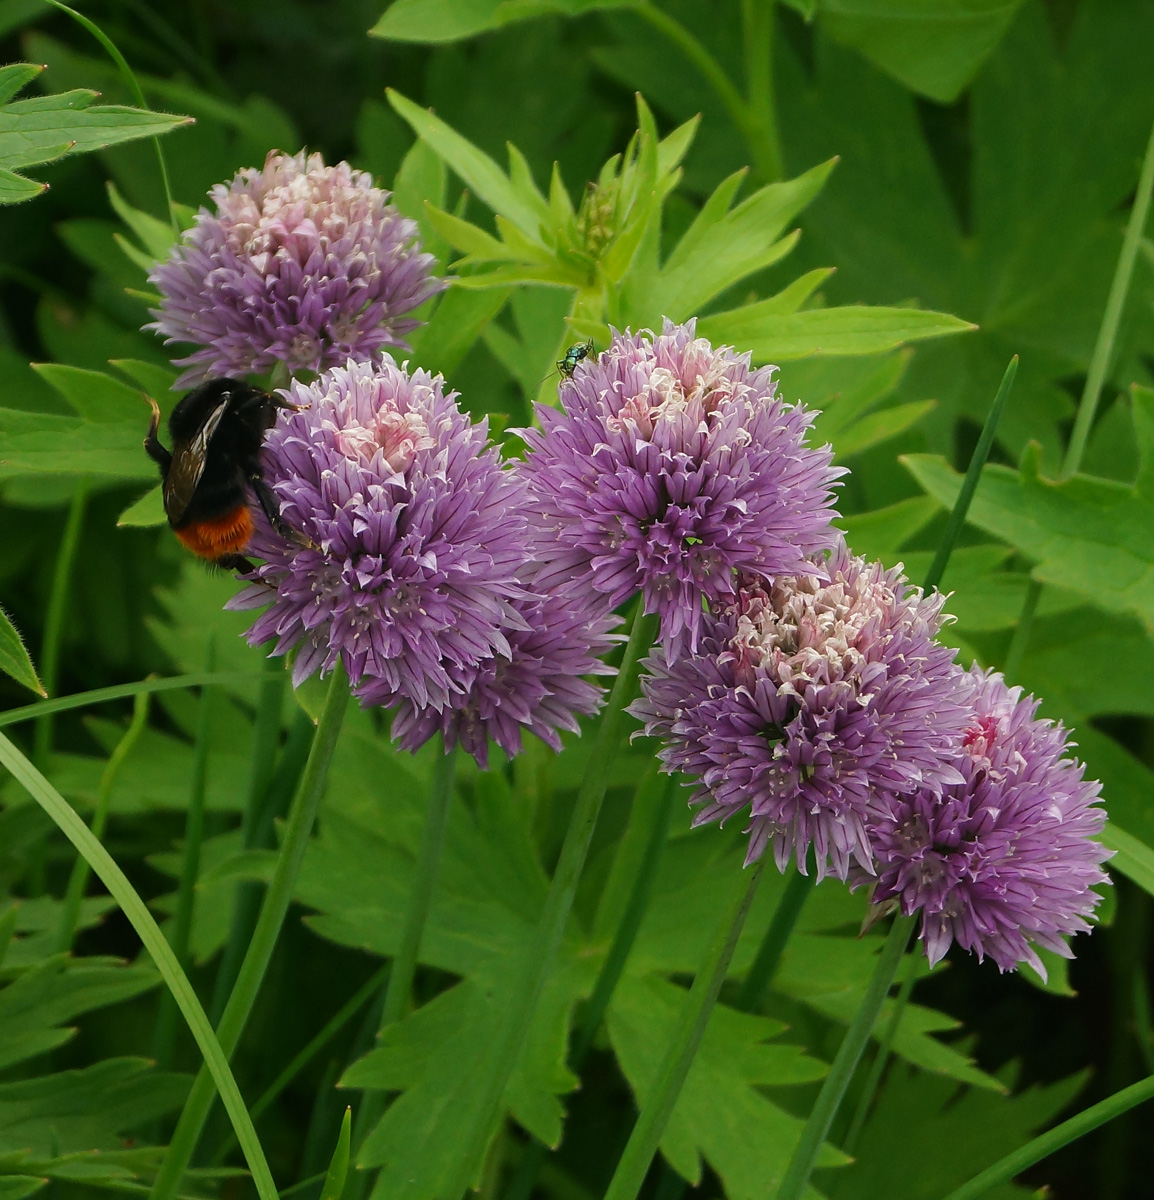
point(657, 1109)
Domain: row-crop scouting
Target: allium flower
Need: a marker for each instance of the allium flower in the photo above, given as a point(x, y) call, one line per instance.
point(809, 698)
point(672, 467)
point(1006, 857)
point(539, 688)
point(300, 264)
point(419, 535)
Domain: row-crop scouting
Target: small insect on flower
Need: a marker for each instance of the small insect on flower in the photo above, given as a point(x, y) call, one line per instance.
point(567, 363)
point(217, 431)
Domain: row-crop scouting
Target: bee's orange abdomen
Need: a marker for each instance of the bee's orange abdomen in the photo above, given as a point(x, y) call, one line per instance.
point(214, 538)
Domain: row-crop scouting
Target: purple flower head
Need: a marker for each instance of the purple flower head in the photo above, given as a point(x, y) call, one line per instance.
point(1005, 857)
point(538, 688)
point(673, 467)
point(419, 536)
point(807, 699)
point(300, 264)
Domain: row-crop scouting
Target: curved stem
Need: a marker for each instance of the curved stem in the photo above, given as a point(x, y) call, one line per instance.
point(536, 963)
point(78, 880)
point(129, 77)
point(264, 938)
point(1119, 288)
point(764, 968)
point(679, 1055)
point(1054, 1139)
point(829, 1099)
point(134, 908)
point(714, 74)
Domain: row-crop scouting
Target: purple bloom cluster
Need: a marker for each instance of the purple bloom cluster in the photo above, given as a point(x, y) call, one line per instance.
point(1005, 856)
point(301, 264)
point(671, 468)
point(810, 696)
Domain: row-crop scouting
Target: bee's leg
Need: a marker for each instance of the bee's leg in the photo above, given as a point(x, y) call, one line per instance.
point(233, 562)
point(269, 505)
point(152, 446)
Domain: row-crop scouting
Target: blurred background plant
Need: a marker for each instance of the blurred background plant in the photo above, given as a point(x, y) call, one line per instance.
point(977, 160)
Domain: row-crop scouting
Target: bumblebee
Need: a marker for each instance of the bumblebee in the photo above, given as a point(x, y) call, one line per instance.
point(217, 431)
point(567, 364)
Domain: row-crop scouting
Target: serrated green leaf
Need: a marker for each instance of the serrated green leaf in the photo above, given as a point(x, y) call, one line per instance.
point(719, 1102)
point(882, 532)
point(155, 236)
point(16, 1187)
point(879, 427)
point(155, 380)
point(16, 76)
point(459, 320)
point(44, 444)
point(94, 395)
point(436, 21)
point(15, 188)
point(935, 47)
point(850, 330)
point(470, 239)
point(15, 661)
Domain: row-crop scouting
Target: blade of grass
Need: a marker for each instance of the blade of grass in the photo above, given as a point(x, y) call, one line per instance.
point(190, 861)
point(1054, 1139)
point(154, 941)
point(264, 939)
point(120, 691)
point(78, 880)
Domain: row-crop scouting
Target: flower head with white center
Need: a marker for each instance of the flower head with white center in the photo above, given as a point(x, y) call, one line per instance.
point(809, 698)
point(672, 467)
point(300, 264)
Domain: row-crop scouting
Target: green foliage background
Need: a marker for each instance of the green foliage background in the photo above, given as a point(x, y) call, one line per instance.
point(986, 156)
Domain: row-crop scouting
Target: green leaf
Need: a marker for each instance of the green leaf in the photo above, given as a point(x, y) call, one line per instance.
point(16, 76)
point(334, 1183)
point(719, 1102)
point(14, 658)
point(155, 236)
point(849, 330)
point(43, 444)
point(966, 1128)
point(144, 513)
point(1131, 856)
point(94, 395)
point(935, 47)
point(15, 188)
point(435, 21)
point(1092, 536)
point(728, 249)
point(458, 321)
point(881, 426)
point(476, 169)
point(882, 532)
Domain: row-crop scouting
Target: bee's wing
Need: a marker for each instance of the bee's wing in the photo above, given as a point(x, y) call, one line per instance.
point(188, 462)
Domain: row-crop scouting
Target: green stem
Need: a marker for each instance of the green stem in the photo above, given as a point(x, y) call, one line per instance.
point(421, 897)
point(54, 620)
point(120, 691)
point(1054, 1139)
point(264, 938)
point(715, 75)
point(78, 880)
point(538, 960)
point(1021, 636)
point(885, 1048)
point(133, 85)
point(973, 475)
point(682, 1049)
point(845, 1063)
point(644, 877)
point(154, 941)
point(764, 968)
point(757, 34)
point(335, 1024)
point(1115, 303)
point(190, 861)
point(265, 742)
